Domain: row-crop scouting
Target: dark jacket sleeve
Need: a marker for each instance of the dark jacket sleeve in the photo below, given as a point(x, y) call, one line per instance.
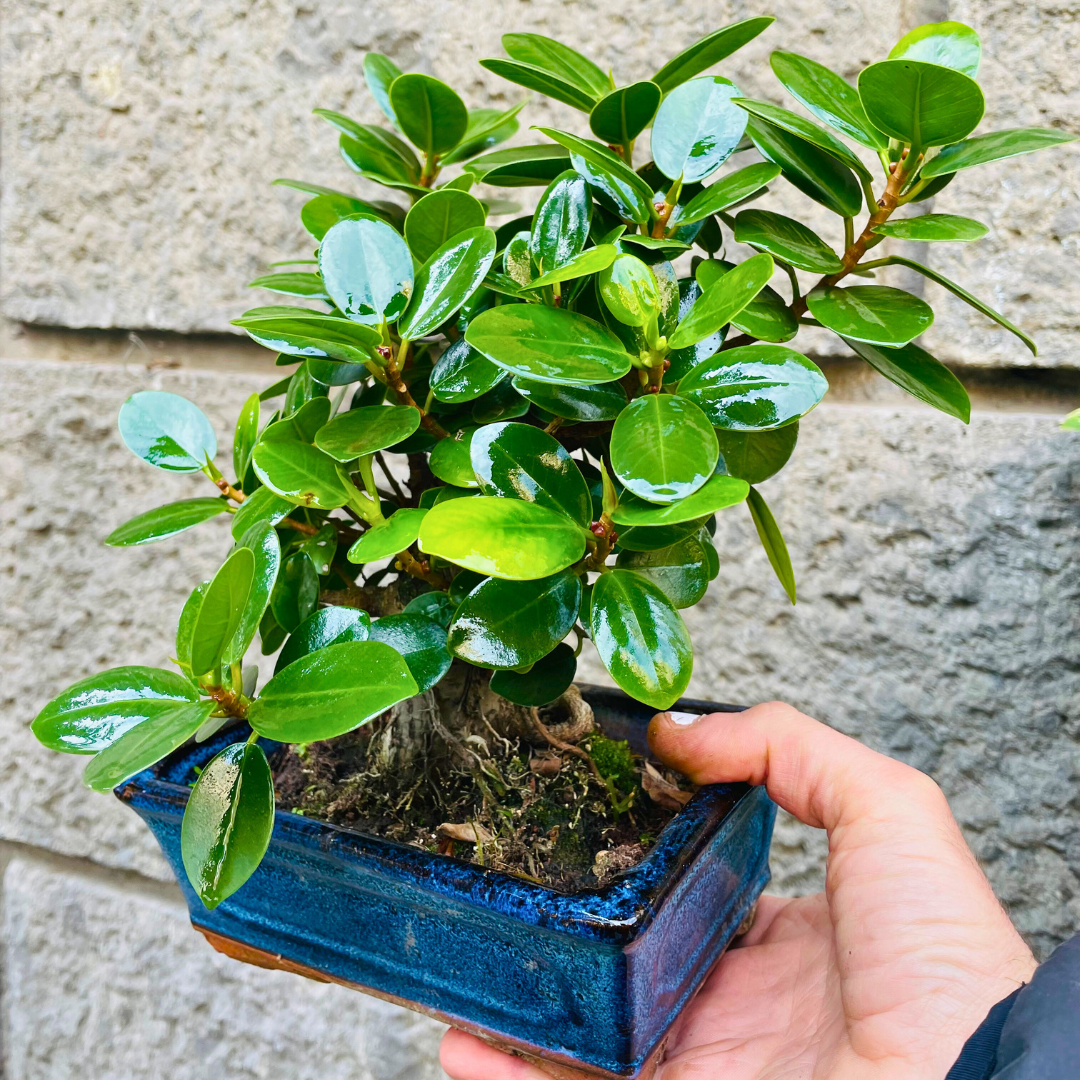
point(1034, 1034)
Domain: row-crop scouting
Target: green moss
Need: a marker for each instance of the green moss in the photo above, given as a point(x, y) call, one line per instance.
point(614, 759)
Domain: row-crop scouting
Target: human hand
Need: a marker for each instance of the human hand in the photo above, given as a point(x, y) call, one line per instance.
point(881, 977)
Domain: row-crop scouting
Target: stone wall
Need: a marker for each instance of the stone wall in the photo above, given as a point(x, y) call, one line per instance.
point(939, 603)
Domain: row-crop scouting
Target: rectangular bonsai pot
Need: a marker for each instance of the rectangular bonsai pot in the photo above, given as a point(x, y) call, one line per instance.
point(591, 980)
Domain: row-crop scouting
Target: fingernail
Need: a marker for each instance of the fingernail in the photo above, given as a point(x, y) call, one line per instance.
point(684, 719)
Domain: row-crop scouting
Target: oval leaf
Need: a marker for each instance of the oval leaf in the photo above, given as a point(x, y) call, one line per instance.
point(227, 822)
point(519, 461)
point(663, 448)
point(222, 611)
point(327, 626)
point(262, 541)
point(726, 192)
point(365, 430)
point(165, 521)
point(772, 541)
point(933, 227)
point(995, 146)
point(94, 712)
point(548, 344)
point(546, 680)
point(787, 239)
point(717, 493)
point(559, 59)
point(430, 114)
point(754, 456)
point(296, 591)
point(331, 691)
point(505, 538)
point(755, 387)
point(421, 643)
point(560, 225)
point(680, 572)
point(388, 538)
point(449, 277)
point(874, 313)
point(723, 301)
point(709, 50)
point(463, 374)
point(620, 116)
point(439, 217)
point(950, 44)
point(697, 128)
point(641, 638)
point(509, 624)
point(585, 403)
point(167, 431)
point(367, 269)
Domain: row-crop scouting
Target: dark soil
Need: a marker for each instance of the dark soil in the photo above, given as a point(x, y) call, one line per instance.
point(514, 802)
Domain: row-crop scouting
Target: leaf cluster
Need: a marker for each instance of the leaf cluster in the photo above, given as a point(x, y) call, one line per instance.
point(557, 412)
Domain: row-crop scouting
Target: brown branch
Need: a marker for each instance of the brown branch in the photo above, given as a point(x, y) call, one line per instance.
point(299, 526)
point(390, 477)
point(420, 569)
point(401, 391)
point(228, 490)
point(233, 704)
point(565, 747)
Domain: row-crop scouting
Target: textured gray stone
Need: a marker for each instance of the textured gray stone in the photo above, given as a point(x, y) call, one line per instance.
point(139, 140)
point(937, 621)
point(106, 983)
point(73, 606)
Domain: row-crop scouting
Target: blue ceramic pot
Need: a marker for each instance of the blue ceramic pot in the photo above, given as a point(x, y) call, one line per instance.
point(592, 980)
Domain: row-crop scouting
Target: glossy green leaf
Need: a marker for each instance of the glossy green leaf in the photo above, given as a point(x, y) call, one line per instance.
point(755, 387)
point(697, 128)
point(502, 403)
point(590, 404)
point(331, 691)
point(545, 681)
point(296, 591)
point(388, 538)
point(709, 50)
point(509, 624)
point(592, 261)
point(995, 146)
point(321, 547)
point(559, 59)
point(609, 174)
point(819, 175)
point(379, 72)
point(450, 460)
point(920, 104)
point(167, 431)
point(487, 128)
point(245, 436)
point(449, 277)
point(726, 192)
point(365, 430)
point(420, 642)
point(537, 78)
point(717, 493)
point(323, 212)
point(94, 712)
point(228, 822)
point(622, 115)
point(145, 744)
point(521, 166)
point(641, 638)
point(519, 461)
point(261, 505)
point(829, 97)
point(271, 635)
point(723, 301)
point(950, 44)
point(754, 456)
point(439, 217)
point(772, 541)
point(663, 448)
point(367, 269)
point(185, 626)
point(680, 361)
point(463, 374)
point(630, 291)
point(874, 313)
point(327, 626)
point(767, 317)
point(222, 611)
point(806, 130)
point(654, 537)
point(956, 290)
point(293, 283)
point(680, 572)
point(560, 225)
point(285, 460)
point(164, 521)
point(505, 538)
point(548, 344)
point(434, 605)
point(933, 227)
point(920, 374)
point(262, 541)
point(297, 331)
point(430, 114)
point(374, 151)
point(787, 239)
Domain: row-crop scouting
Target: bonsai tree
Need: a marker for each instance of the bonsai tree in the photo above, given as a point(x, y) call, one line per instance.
point(492, 440)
